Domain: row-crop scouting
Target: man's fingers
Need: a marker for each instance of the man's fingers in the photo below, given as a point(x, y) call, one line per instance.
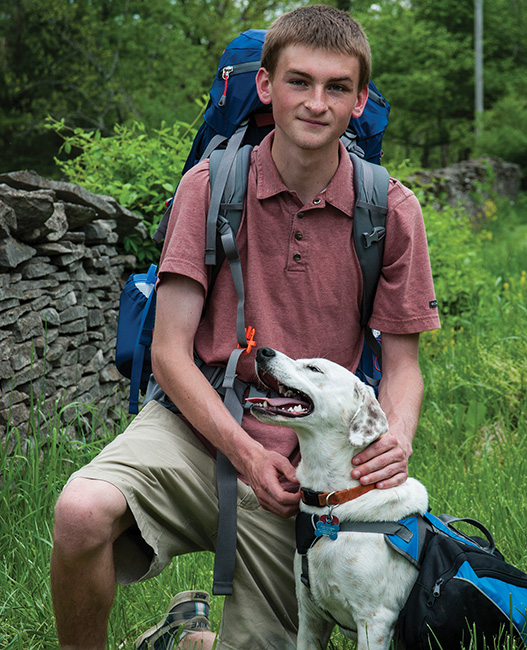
point(270, 492)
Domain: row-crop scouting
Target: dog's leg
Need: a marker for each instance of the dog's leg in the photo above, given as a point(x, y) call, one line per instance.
point(313, 631)
point(374, 635)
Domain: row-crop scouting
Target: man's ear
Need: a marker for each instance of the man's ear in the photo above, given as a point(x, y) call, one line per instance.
point(263, 86)
point(361, 102)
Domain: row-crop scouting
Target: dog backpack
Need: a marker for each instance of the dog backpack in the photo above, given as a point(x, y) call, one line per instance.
point(234, 121)
point(465, 595)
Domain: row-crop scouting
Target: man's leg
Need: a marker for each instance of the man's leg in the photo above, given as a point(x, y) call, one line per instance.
point(148, 496)
point(89, 516)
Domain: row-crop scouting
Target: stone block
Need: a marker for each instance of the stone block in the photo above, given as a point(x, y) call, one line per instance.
point(32, 210)
point(37, 268)
point(50, 317)
point(74, 327)
point(27, 327)
point(67, 301)
point(7, 220)
point(13, 253)
point(73, 313)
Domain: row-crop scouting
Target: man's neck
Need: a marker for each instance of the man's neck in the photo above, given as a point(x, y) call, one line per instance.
point(306, 173)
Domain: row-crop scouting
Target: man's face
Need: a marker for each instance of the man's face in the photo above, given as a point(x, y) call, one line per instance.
point(314, 93)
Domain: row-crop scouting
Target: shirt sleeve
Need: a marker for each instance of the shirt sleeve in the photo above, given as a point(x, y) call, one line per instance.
point(184, 246)
point(405, 301)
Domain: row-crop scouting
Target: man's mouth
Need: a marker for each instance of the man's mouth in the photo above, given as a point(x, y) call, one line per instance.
point(291, 402)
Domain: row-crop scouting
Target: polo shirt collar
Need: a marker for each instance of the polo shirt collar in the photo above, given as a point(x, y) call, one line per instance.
point(339, 192)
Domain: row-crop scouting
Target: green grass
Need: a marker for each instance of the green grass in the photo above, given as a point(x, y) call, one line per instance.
point(470, 451)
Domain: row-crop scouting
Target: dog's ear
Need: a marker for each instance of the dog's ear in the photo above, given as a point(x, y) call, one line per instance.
point(369, 422)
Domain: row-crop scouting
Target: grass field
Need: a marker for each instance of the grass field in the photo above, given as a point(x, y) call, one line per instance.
point(470, 451)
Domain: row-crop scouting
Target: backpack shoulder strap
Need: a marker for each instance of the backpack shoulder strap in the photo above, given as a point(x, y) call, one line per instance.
point(370, 182)
point(233, 145)
point(228, 174)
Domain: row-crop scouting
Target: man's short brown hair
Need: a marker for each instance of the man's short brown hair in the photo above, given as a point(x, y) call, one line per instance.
point(318, 27)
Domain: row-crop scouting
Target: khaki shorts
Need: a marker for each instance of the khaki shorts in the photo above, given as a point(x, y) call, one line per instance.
point(169, 481)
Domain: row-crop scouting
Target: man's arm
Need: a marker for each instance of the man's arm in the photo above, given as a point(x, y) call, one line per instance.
point(385, 462)
point(179, 307)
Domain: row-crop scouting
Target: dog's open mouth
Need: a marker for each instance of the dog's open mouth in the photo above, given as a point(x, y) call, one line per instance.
point(291, 402)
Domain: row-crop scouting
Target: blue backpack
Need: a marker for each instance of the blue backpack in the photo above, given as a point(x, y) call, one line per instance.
point(234, 121)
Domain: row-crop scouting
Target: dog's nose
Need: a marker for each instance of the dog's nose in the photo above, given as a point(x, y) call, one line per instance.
point(264, 354)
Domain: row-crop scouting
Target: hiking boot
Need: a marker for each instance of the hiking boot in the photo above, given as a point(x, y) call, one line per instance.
point(187, 612)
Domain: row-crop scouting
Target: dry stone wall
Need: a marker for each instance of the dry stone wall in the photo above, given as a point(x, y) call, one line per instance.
point(470, 183)
point(60, 280)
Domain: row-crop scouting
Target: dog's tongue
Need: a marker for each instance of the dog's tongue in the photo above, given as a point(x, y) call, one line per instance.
point(282, 403)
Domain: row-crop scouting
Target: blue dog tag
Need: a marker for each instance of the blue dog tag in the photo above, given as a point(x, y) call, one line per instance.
point(327, 528)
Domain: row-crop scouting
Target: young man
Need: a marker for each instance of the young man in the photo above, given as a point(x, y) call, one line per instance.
point(151, 494)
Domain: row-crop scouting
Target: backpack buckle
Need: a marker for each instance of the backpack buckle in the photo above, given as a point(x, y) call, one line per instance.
point(375, 235)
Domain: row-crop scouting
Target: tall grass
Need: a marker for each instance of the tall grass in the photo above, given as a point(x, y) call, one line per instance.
point(470, 451)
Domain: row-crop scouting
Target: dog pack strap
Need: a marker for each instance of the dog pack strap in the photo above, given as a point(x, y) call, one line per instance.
point(380, 527)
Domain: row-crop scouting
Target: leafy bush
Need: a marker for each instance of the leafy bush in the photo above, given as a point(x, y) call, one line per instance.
point(139, 169)
point(456, 258)
point(504, 132)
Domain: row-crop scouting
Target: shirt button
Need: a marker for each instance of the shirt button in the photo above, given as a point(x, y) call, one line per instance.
point(317, 201)
point(300, 215)
point(297, 257)
point(299, 236)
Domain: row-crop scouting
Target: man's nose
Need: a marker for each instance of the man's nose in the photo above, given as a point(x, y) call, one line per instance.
point(317, 101)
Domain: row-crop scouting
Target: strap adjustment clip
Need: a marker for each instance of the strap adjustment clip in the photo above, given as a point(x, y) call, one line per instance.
point(376, 235)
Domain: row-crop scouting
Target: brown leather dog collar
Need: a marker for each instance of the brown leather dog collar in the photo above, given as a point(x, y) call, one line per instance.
point(323, 499)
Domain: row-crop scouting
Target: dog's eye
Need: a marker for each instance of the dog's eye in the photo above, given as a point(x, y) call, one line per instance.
point(314, 369)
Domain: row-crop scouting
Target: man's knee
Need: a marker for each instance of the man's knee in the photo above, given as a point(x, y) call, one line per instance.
point(88, 515)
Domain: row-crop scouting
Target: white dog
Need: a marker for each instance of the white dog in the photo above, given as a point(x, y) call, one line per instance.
point(356, 580)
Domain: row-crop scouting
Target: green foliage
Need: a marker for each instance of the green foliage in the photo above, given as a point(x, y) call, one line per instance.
point(96, 64)
point(455, 254)
point(476, 365)
point(140, 170)
point(421, 67)
point(504, 129)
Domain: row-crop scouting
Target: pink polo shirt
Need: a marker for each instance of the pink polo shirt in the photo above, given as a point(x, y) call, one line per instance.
point(302, 278)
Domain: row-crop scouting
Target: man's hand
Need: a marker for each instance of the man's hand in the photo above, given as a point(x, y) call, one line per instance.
point(263, 470)
point(384, 462)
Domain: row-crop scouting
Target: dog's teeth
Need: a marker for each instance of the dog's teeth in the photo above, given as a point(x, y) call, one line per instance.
point(296, 409)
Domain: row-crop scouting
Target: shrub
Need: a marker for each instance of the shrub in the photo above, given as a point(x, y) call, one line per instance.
point(139, 169)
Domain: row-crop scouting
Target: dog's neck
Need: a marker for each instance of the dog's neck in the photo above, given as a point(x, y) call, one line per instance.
point(326, 467)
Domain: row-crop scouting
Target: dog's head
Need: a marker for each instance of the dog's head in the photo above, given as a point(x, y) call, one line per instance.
point(317, 394)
